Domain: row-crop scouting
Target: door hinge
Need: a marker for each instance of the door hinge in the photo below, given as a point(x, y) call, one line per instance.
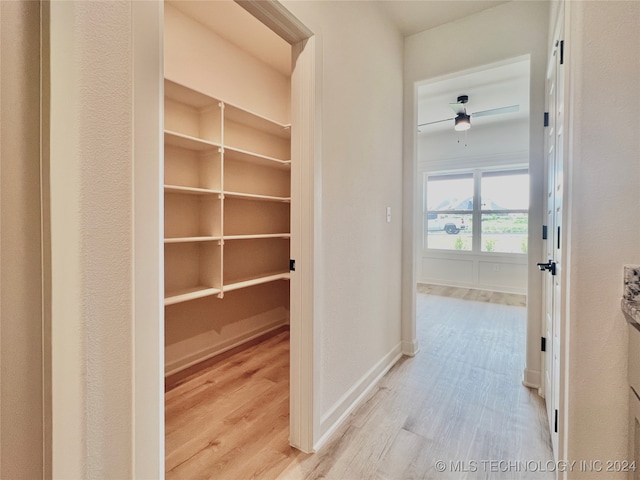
point(544, 232)
point(561, 52)
point(546, 119)
point(555, 422)
point(543, 344)
point(292, 265)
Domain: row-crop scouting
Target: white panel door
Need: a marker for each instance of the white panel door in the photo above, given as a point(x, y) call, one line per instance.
point(553, 261)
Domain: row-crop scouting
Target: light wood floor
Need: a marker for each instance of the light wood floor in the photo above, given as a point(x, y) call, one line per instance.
point(460, 401)
point(513, 299)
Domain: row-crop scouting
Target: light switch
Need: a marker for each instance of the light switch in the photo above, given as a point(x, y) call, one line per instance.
point(388, 214)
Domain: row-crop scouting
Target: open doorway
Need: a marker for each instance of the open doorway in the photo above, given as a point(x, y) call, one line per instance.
point(473, 231)
point(473, 184)
point(472, 257)
point(231, 208)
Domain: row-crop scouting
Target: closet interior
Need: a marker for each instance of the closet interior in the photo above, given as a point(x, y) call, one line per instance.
point(227, 192)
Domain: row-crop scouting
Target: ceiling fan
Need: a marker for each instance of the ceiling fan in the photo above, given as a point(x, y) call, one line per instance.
point(462, 120)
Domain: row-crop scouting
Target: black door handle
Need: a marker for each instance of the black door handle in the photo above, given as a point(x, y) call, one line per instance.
point(550, 266)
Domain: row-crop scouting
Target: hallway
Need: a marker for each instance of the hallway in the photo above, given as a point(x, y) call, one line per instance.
point(459, 401)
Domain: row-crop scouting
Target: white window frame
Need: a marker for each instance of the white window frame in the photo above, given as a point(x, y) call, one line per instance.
point(476, 213)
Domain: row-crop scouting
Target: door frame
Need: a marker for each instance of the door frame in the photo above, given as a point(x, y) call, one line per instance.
point(303, 421)
point(148, 331)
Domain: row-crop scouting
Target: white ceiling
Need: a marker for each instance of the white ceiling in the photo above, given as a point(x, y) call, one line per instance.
point(492, 87)
point(413, 16)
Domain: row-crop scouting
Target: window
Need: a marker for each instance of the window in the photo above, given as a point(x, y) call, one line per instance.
point(497, 201)
point(449, 212)
point(505, 211)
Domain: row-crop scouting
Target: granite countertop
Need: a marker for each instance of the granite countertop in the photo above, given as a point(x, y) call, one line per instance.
point(631, 312)
point(630, 303)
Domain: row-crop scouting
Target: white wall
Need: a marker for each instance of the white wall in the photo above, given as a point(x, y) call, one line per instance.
point(360, 100)
point(507, 31)
point(92, 239)
point(506, 143)
point(198, 57)
point(22, 395)
point(603, 55)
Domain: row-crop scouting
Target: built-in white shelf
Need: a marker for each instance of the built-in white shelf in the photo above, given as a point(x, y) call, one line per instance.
point(188, 95)
point(211, 145)
point(191, 239)
point(190, 190)
point(187, 294)
point(188, 142)
point(252, 196)
point(258, 236)
point(257, 121)
point(233, 153)
point(256, 281)
point(193, 293)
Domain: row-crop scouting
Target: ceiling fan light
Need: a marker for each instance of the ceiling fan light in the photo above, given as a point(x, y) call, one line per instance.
point(462, 122)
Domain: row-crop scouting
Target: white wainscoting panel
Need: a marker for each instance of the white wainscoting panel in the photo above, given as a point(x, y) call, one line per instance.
point(456, 271)
point(493, 272)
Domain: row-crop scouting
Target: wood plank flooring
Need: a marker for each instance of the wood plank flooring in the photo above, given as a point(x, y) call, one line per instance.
point(514, 299)
point(232, 420)
point(459, 401)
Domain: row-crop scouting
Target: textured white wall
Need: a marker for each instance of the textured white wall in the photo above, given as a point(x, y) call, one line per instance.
point(91, 214)
point(507, 31)
point(603, 51)
point(361, 108)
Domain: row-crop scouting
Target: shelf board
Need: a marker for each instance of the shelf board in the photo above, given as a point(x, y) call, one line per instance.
point(188, 142)
point(179, 296)
point(191, 239)
point(252, 196)
point(256, 281)
point(238, 154)
point(190, 190)
point(187, 95)
point(257, 236)
point(257, 121)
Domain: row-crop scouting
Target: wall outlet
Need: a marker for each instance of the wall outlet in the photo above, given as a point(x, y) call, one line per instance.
point(496, 267)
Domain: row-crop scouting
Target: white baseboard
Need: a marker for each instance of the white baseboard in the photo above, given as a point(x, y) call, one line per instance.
point(330, 421)
point(410, 349)
point(202, 355)
point(531, 378)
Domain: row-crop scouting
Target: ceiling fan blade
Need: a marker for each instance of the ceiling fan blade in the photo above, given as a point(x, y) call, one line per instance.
point(458, 108)
point(437, 121)
point(497, 111)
